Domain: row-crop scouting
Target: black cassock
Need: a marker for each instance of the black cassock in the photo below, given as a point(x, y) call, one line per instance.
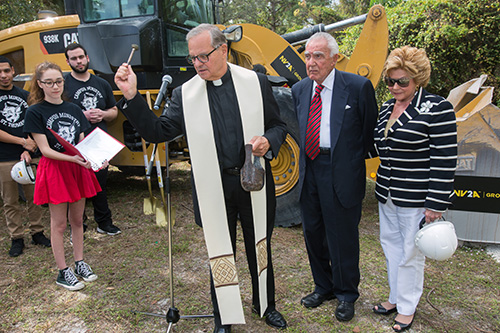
point(228, 134)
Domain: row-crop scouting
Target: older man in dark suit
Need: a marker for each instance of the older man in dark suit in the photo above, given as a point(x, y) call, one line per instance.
point(337, 113)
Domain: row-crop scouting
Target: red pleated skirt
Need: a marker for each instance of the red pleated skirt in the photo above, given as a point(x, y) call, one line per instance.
point(61, 181)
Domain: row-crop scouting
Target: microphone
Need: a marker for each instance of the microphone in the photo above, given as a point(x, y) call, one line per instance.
point(165, 81)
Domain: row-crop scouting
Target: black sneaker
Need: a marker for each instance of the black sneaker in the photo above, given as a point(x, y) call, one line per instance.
point(83, 270)
point(40, 239)
point(17, 247)
point(109, 229)
point(68, 280)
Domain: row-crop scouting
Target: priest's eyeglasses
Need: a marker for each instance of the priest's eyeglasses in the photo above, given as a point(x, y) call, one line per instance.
point(203, 58)
point(50, 84)
point(402, 82)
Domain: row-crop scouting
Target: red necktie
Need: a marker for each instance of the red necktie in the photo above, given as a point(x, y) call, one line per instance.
point(313, 124)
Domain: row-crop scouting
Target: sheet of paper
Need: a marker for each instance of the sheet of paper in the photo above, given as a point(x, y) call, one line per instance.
point(98, 147)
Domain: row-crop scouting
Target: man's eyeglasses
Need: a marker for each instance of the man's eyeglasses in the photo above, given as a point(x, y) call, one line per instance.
point(203, 58)
point(402, 82)
point(50, 84)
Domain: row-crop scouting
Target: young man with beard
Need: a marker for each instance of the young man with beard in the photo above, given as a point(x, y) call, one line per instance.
point(94, 96)
point(16, 146)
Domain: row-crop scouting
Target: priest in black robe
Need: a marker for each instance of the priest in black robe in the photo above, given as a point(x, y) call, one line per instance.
point(208, 51)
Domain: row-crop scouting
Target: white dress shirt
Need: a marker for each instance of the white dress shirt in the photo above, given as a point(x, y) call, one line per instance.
point(326, 102)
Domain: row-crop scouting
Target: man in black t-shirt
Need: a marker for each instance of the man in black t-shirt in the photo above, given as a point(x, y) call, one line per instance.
point(95, 97)
point(14, 147)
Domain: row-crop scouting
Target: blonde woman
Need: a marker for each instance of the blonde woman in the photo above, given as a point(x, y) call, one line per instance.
point(416, 141)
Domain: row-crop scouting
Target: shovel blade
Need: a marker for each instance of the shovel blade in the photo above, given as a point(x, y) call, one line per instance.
point(149, 206)
point(161, 216)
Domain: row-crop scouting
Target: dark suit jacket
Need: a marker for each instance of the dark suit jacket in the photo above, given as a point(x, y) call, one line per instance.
point(353, 118)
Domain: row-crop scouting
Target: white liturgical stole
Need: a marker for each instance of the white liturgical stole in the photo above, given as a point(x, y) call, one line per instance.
point(208, 182)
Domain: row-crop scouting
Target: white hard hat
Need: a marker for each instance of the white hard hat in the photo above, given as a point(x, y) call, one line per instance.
point(23, 173)
point(437, 240)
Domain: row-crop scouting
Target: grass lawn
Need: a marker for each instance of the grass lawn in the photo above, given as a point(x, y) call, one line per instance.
point(460, 295)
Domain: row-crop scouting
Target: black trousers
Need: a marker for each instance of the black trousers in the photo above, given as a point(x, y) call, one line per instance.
point(238, 205)
point(102, 213)
point(330, 232)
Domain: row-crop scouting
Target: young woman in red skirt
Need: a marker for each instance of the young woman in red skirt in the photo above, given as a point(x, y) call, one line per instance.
point(63, 181)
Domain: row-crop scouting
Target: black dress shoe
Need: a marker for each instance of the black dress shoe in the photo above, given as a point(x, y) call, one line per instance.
point(383, 311)
point(222, 329)
point(275, 319)
point(345, 311)
point(315, 299)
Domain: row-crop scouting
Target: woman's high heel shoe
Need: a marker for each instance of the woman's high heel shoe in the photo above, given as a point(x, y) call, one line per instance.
point(402, 327)
point(379, 309)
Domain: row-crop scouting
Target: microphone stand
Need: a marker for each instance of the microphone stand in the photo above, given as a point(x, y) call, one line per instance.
point(172, 316)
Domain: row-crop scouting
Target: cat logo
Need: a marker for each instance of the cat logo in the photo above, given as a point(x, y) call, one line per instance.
point(467, 194)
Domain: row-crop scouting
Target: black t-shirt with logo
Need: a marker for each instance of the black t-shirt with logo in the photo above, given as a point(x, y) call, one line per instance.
point(95, 93)
point(66, 119)
point(13, 108)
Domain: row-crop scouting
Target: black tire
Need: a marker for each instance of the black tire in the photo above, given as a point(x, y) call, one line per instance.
point(288, 211)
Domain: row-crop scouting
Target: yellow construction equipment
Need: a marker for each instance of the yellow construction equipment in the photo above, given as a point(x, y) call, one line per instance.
point(107, 29)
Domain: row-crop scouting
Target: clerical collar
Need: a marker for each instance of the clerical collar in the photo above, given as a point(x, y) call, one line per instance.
point(225, 78)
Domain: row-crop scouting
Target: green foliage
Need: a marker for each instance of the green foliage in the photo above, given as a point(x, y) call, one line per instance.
point(11, 15)
point(461, 38)
point(17, 12)
point(350, 8)
point(325, 15)
point(347, 39)
point(274, 14)
point(386, 3)
point(280, 16)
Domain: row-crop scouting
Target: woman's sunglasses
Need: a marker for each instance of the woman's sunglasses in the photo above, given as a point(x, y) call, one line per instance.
point(402, 82)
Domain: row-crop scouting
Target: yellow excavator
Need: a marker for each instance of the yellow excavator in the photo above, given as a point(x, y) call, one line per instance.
point(109, 28)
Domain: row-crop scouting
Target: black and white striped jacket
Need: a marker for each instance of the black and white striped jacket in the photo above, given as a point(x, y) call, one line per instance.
point(419, 156)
